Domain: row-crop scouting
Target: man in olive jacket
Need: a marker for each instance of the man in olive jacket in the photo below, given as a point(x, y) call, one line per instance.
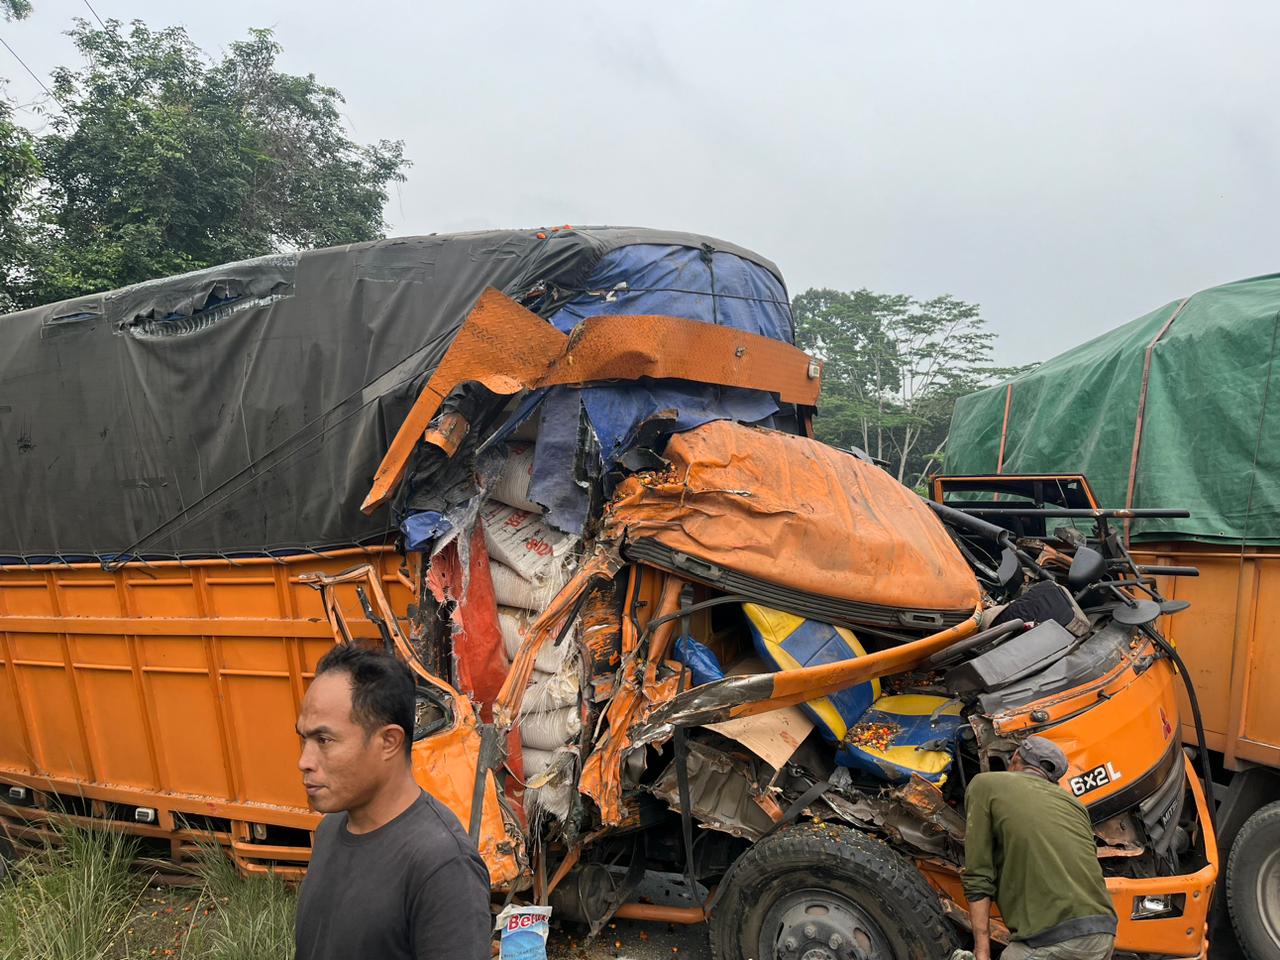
point(1029, 845)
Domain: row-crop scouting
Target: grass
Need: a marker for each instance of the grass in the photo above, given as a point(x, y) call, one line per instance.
point(254, 915)
point(81, 900)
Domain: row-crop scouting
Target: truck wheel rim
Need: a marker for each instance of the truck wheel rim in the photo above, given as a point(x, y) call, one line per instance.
point(1268, 895)
point(821, 925)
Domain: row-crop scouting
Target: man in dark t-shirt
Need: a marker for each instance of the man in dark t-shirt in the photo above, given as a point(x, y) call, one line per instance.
point(392, 873)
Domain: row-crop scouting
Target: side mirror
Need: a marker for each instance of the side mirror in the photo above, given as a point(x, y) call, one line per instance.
point(1087, 566)
point(1010, 568)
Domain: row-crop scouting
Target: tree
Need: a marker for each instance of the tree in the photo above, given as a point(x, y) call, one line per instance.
point(15, 9)
point(163, 161)
point(894, 367)
point(19, 171)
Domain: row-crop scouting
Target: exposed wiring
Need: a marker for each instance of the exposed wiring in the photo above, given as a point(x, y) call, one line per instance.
point(95, 14)
point(1202, 751)
point(33, 74)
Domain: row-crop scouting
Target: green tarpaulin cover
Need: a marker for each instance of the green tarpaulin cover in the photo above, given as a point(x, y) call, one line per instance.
point(1211, 428)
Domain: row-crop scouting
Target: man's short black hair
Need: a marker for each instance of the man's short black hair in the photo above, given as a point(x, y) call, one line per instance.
point(381, 688)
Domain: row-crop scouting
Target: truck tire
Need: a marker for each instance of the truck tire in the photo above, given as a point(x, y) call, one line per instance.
point(827, 892)
point(1253, 884)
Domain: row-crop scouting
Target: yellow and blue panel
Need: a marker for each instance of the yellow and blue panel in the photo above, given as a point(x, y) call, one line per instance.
point(904, 734)
point(788, 642)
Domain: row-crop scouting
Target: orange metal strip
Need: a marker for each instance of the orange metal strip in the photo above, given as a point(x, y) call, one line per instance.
point(658, 913)
point(1241, 655)
point(272, 852)
point(1142, 410)
point(226, 725)
point(181, 626)
point(292, 647)
point(1004, 427)
point(292, 559)
point(661, 637)
point(88, 741)
point(159, 773)
point(179, 802)
point(16, 686)
point(673, 348)
point(810, 683)
point(508, 349)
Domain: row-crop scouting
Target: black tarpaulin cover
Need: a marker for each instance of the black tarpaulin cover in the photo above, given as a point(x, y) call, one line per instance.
point(244, 408)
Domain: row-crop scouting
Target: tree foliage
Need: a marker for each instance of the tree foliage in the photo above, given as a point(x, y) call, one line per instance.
point(164, 161)
point(894, 366)
point(19, 171)
point(15, 9)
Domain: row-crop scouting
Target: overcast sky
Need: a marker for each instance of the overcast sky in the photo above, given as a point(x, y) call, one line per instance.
point(1066, 166)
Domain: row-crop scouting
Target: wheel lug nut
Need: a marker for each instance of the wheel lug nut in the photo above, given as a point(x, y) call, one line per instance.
point(789, 944)
point(836, 941)
point(810, 930)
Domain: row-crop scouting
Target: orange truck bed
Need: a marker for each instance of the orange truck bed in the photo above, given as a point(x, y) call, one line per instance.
point(1226, 640)
point(172, 687)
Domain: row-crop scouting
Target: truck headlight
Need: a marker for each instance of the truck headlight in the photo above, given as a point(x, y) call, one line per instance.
point(1158, 906)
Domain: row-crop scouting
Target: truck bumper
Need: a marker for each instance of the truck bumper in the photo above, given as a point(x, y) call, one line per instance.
point(1182, 930)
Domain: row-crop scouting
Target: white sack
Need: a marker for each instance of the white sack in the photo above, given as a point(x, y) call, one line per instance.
point(512, 486)
point(512, 590)
point(521, 540)
point(514, 624)
point(550, 691)
point(554, 728)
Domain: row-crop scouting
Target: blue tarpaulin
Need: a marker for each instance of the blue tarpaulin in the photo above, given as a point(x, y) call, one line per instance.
point(680, 282)
point(697, 284)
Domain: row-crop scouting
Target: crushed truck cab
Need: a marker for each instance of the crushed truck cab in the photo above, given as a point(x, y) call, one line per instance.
point(655, 625)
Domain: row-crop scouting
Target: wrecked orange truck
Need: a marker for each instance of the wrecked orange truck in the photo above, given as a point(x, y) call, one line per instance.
point(656, 625)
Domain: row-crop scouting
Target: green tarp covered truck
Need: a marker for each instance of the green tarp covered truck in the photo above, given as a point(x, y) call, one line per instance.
point(1182, 406)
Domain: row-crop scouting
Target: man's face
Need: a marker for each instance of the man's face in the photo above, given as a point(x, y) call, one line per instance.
point(342, 768)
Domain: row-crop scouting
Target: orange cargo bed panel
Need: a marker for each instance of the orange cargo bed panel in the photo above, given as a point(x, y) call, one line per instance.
point(166, 678)
point(797, 513)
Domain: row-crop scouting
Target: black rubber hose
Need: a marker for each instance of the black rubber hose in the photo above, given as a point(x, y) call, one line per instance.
point(1206, 772)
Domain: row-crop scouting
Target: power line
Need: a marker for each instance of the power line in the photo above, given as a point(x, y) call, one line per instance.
point(32, 72)
point(95, 14)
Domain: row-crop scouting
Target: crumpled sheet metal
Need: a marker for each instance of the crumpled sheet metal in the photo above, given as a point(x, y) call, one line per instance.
point(445, 763)
point(636, 694)
point(759, 693)
point(445, 767)
point(602, 565)
point(507, 349)
point(724, 792)
point(796, 513)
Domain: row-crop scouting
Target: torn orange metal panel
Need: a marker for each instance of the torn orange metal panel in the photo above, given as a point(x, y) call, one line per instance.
point(444, 763)
point(507, 707)
point(638, 694)
point(741, 498)
point(601, 632)
point(661, 636)
point(448, 433)
point(674, 348)
point(507, 348)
